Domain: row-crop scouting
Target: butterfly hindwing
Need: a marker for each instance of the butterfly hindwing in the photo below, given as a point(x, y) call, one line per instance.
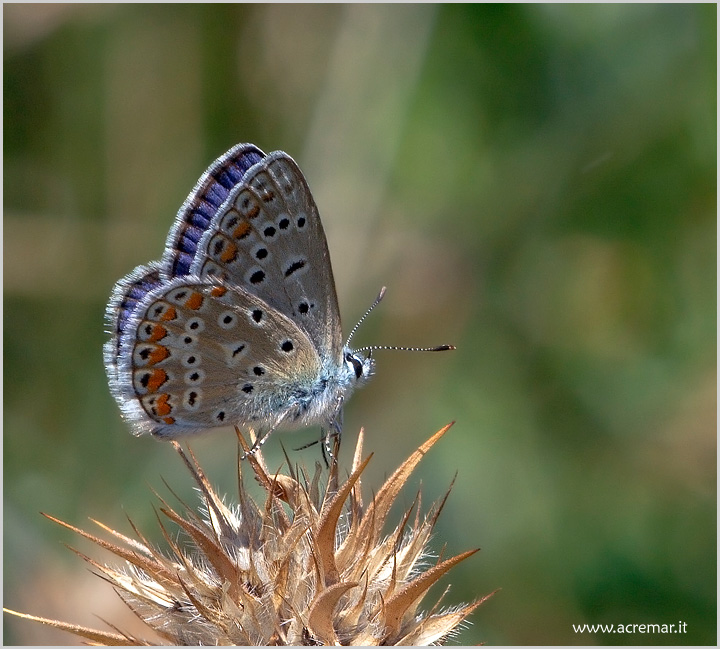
point(201, 354)
point(126, 295)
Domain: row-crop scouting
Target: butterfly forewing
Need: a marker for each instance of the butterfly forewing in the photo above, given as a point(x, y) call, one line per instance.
point(269, 240)
point(212, 353)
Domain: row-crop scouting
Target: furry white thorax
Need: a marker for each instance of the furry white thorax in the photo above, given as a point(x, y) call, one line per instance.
point(321, 402)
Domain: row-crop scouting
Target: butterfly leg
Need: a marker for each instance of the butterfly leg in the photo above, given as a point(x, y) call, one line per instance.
point(325, 445)
point(327, 452)
point(334, 433)
point(260, 437)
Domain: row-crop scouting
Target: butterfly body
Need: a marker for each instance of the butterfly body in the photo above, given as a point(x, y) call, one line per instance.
point(238, 323)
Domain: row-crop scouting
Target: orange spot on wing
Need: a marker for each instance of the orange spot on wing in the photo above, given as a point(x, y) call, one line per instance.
point(158, 354)
point(195, 301)
point(170, 314)
point(157, 378)
point(169, 420)
point(229, 253)
point(158, 333)
point(162, 407)
point(218, 291)
point(241, 230)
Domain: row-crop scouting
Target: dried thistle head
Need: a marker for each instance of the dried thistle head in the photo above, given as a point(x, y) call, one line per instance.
point(310, 565)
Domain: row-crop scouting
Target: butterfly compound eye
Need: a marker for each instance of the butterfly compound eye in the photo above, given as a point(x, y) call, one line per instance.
point(357, 365)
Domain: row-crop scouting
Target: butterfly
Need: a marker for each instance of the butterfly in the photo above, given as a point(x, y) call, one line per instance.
point(238, 323)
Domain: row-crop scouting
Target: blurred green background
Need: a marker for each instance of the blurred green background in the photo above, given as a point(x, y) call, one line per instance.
point(533, 183)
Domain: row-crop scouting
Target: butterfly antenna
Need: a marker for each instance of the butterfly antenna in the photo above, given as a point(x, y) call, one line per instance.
point(439, 348)
point(380, 296)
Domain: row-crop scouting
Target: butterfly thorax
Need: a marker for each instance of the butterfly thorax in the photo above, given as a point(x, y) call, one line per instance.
point(318, 400)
